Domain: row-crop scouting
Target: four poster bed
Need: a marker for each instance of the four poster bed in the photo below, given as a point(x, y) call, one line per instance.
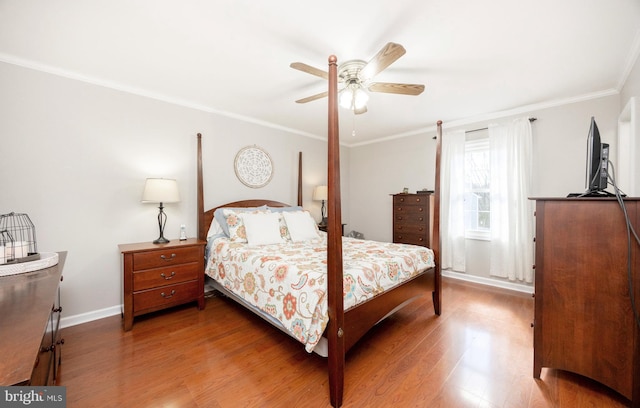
point(345, 286)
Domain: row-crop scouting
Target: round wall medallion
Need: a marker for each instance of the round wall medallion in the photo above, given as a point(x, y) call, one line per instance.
point(253, 166)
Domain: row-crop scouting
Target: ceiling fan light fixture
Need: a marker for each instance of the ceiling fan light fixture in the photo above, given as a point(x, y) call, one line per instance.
point(353, 97)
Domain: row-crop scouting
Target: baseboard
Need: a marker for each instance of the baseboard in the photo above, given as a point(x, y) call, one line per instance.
point(90, 316)
point(497, 283)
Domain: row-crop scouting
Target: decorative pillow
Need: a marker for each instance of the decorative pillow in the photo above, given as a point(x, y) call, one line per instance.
point(283, 209)
point(219, 215)
point(237, 230)
point(262, 228)
point(301, 225)
point(214, 229)
point(284, 231)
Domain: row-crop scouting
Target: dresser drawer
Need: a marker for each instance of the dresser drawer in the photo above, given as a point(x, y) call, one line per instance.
point(167, 295)
point(410, 215)
point(411, 199)
point(165, 257)
point(169, 275)
point(410, 228)
point(410, 238)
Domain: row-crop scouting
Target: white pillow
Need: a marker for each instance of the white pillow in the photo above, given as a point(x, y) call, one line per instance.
point(301, 226)
point(237, 229)
point(262, 228)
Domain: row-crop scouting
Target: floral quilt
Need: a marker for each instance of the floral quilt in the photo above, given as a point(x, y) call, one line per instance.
point(288, 281)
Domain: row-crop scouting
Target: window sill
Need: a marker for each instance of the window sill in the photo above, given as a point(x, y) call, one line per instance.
point(478, 235)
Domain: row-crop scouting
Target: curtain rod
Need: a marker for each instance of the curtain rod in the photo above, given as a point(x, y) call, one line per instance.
point(485, 128)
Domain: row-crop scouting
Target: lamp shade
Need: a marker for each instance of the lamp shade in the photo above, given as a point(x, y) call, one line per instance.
point(320, 193)
point(159, 190)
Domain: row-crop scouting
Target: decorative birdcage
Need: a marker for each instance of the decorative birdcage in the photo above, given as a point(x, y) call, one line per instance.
point(17, 239)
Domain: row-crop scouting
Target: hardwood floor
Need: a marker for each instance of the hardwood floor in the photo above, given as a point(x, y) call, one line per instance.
point(479, 353)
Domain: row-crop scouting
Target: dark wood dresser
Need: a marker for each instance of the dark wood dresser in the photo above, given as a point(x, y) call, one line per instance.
point(412, 218)
point(158, 276)
point(584, 322)
point(31, 345)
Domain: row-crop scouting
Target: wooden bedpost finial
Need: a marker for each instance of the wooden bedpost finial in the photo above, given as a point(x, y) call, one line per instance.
point(333, 59)
point(439, 122)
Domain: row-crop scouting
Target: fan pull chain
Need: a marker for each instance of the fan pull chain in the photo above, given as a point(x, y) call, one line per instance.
point(353, 132)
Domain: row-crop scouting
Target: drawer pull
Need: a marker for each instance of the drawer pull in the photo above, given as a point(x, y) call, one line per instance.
point(168, 277)
point(420, 209)
point(168, 259)
point(164, 295)
point(57, 309)
point(50, 348)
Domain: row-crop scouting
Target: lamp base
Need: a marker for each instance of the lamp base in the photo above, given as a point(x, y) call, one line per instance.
point(161, 240)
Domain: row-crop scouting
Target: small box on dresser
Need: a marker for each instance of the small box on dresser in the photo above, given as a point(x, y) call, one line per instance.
point(159, 276)
point(412, 218)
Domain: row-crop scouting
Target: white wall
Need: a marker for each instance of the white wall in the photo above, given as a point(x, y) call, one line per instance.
point(74, 157)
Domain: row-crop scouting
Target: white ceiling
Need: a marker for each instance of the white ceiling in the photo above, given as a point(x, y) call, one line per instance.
point(233, 56)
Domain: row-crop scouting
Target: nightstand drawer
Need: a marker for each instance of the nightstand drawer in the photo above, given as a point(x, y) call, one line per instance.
point(164, 257)
point(166, 295)
point(168, 275)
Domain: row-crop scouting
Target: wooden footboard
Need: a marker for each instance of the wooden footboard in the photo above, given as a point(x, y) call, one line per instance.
point(360, 319)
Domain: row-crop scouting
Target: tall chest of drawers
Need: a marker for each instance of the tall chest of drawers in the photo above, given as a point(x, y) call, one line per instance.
point(412, 219)
point(156, 276)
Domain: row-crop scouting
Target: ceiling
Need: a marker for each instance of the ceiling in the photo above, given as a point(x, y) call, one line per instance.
point(232, 56)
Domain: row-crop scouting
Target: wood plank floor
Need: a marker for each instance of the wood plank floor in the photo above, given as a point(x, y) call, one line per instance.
point(477, 354)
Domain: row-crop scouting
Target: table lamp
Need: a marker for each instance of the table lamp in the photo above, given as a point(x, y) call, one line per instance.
point(160, 190)
point(320, 194)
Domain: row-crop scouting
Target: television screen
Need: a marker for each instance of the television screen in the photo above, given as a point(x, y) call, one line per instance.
point(596, 178)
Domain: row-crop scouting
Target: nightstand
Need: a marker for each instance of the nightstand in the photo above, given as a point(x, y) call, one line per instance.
point(158, 276)
point(324, 228)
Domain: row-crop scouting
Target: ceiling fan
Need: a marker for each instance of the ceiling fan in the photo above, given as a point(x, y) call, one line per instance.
point(357, 75)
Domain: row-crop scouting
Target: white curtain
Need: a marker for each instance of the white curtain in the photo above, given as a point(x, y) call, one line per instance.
point(452, 202)
point(512, 220)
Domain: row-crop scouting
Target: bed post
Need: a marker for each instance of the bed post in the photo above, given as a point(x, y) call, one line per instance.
point(200, 200)
point(335, 331)
point(435, 242)
point(300, 179)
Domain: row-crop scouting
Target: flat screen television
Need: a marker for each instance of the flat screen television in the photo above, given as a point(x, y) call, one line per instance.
point(596, 178)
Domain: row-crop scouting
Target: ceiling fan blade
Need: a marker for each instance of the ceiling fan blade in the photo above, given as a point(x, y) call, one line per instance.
point(300, 66)
point(385, 57)
point(312, 97)
point(403, 89)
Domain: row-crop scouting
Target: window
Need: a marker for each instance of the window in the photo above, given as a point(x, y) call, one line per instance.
point(477, 199)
